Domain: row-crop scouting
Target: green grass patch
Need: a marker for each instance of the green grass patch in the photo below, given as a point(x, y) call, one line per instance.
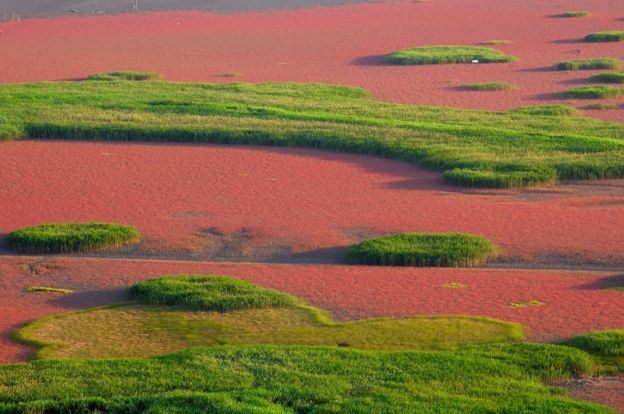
point(609, 36)
point(45, 289)
point(611, 77)
point(423, 249)
point(604, 343)
point(123, 76)
point(592, 92)
point(72, 237)
point(588, 64)
point(470, 147)
point(574, 13)
point(547, 110)
point(299, 379)
point(487, 86)
point(213, 293)
point(495, 42)
point(429, 55)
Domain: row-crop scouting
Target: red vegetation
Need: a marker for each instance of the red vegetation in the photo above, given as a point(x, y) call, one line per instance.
point(339, 45)
point(573, 302)
point(294, 199)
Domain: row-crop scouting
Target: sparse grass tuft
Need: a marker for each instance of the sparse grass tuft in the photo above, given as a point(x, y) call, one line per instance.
point(611, 77)
point(609, 36)
point(44, 289)
point(605, 343)
point(123, 76)
point(575, 13)
point(588, 64)
point(547, 110)
point(591, 92)
point(71, 237)
point(489, 86)
point(208, 293)
point(423, 249)
point(530, 303)
point(495, 42)
point(231, 75)
point(428, 55)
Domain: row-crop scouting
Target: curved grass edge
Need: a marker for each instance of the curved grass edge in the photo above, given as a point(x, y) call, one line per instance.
point(43, 350)
point(458, 171)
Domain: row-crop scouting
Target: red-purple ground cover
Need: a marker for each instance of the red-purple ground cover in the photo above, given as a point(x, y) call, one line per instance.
point(572, 302)
point(340, 45)
point(301, 200)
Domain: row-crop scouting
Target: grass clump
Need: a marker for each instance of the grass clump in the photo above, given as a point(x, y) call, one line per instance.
point(600, 106)
point(123, 76)
point(605, 343)
point(488, 86)
point(428, 55)
point(575, 13)
point(588, 64)
point(470, 147)
point(45, 289)
point(423, 249)
point(591, 92)
point(71, 237)
point(208, 293)
point(547, 110)
point(611, 77)
point(609, 36)
point(287, 379)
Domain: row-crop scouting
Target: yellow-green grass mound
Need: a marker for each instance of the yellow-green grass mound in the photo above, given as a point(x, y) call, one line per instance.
point(430, 55)
point(71, 237)
point(136, 329)
point(424, 250)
